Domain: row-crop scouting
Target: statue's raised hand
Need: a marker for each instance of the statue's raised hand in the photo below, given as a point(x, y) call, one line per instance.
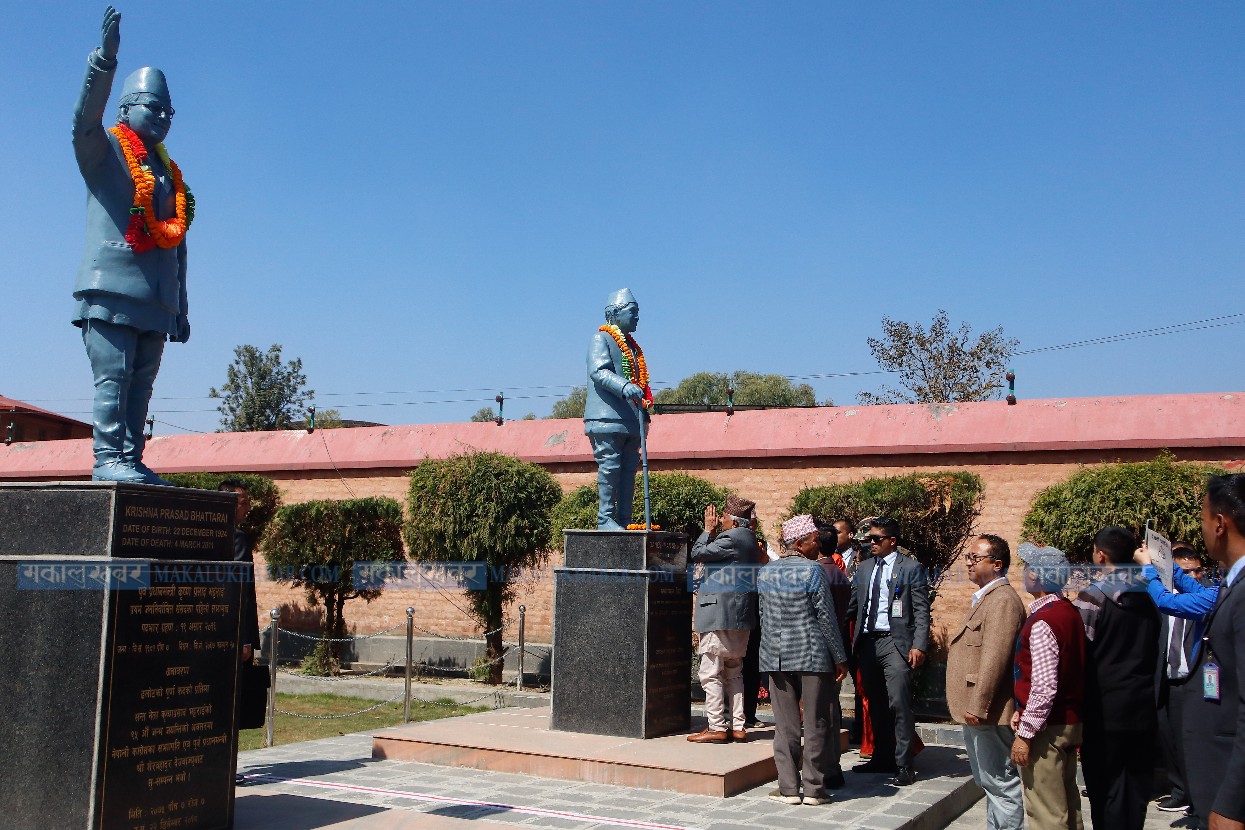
point(110, 35)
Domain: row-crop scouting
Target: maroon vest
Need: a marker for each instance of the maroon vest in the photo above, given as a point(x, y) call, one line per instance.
point(1065, 622)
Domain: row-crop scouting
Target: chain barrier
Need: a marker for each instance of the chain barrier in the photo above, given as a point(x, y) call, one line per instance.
point(486, 634)
point(381, 670)
point(497, 695)
point(393, 699)
point(318, 638)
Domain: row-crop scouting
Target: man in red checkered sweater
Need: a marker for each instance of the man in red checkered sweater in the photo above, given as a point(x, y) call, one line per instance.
point(1049, 688)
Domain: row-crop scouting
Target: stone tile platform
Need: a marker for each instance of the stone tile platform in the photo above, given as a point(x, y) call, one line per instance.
point(519, 740)
point(336, 784)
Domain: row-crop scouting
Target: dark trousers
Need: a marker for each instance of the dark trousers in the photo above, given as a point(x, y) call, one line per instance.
point(1119, 770)
point(818, 759)
point(886, 675)
point(752, 675)
point(1171, 725)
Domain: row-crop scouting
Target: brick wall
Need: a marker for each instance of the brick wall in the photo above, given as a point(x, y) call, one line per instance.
point(1011, 479)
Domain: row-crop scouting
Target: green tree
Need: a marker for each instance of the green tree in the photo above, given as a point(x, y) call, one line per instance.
point(940, 365)
point(483, 415)
point(482, 507)
point(751, 389)
point(677, 501)
point(572, 406)
point(1068, 514)
point(265, 497)
point(937, 512)
point(261, 393)
point(315, 545)
point(329, 419)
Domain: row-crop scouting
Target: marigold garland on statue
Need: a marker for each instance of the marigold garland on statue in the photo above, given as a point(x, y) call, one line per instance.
point(145, 231)
point(634, 366)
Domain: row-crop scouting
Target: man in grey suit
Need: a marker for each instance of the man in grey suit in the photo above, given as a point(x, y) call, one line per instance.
point(726, 613)
point(131, 286)
point(1214, 704)
point(617, 393)
point(803, 652)
point(890, 604)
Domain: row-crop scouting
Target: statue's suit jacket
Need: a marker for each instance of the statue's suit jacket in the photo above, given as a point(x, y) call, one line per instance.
point(1214, 731)
point(979, 658)
point(727, 610)
point(909, 582)
point(605, 401)
point(147, 290)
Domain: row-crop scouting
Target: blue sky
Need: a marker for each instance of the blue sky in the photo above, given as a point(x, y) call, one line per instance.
point(439, 196)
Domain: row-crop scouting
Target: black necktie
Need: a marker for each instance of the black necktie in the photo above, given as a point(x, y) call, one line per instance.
point(873, 595)
point(1175, 646)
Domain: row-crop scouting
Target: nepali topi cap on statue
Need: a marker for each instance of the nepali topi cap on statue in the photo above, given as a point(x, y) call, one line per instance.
point(740, 508)
point(797, 527)
point(620, 298)
point(146, 81)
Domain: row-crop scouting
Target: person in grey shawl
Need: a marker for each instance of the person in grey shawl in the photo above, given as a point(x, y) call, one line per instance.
point(803, 652)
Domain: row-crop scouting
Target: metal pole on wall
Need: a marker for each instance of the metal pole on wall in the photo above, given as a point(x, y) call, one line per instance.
point(273, 643)
point(410, 655)
point(522, 642)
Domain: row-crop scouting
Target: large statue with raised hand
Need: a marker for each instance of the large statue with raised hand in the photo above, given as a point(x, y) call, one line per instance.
point(618, 392)
point(131, 286)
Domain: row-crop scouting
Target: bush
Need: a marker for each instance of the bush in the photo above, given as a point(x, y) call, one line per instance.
point(1068, 514)
point(936, 511)
point(314, 546)
point(482, 507)
point(265, 497)
point(677, 501)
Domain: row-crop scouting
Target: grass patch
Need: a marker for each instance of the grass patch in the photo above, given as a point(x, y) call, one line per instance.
point(288, 729)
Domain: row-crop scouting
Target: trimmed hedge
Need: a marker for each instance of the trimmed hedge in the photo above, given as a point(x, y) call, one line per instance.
point(1067, 515)
point(937, 512)
point(265, 497)
point(482, 507)
point(314, 545)
point(677, 502)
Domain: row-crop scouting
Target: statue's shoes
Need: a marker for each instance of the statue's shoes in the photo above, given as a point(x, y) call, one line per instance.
point(149, 477)
point(610, 524)
point(118, 471)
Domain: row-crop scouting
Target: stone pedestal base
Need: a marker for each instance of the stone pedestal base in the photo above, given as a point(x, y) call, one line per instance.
point(622, 647)
point(120, 680)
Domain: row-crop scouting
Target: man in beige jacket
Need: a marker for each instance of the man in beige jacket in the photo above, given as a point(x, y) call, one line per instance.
point(979, 680)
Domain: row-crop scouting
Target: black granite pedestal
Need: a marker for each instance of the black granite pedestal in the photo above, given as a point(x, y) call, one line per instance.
point(119, 627)
point(622, 645)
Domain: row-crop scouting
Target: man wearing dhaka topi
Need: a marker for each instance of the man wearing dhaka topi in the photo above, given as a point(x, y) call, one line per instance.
point(618, 392)
point(131, 286)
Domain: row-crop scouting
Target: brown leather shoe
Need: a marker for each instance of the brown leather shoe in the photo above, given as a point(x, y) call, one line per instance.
point(739, 735)
point(704, 736)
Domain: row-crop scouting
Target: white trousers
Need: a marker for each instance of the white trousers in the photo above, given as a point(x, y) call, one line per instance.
point(722, 678)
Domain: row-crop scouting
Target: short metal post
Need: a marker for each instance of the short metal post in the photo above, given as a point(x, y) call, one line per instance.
point(273, 644)
point(522, 642)
point(410, 659)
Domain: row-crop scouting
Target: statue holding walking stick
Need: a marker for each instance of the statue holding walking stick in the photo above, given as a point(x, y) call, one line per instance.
point(616, 415)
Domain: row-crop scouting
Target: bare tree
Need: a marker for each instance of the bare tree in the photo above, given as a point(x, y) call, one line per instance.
point(940, 365)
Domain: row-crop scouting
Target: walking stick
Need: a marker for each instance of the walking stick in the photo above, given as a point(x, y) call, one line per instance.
point(648, 515)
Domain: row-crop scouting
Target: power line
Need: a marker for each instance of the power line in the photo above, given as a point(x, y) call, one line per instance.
point(1221, 321)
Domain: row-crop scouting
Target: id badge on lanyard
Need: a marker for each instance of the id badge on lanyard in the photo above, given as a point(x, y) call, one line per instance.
point(1210, 681)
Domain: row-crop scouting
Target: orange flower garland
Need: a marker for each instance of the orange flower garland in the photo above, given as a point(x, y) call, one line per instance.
point(145, 231)
point(635, 368)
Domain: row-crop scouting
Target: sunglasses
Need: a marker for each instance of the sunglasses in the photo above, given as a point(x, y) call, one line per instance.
point(973, 560)
point(873, 540)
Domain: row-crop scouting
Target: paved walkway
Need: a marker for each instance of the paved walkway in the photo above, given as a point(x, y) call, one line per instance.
point(975, 818)
point(335, 784)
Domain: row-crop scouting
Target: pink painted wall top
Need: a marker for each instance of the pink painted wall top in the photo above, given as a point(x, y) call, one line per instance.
point(1140, 422)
